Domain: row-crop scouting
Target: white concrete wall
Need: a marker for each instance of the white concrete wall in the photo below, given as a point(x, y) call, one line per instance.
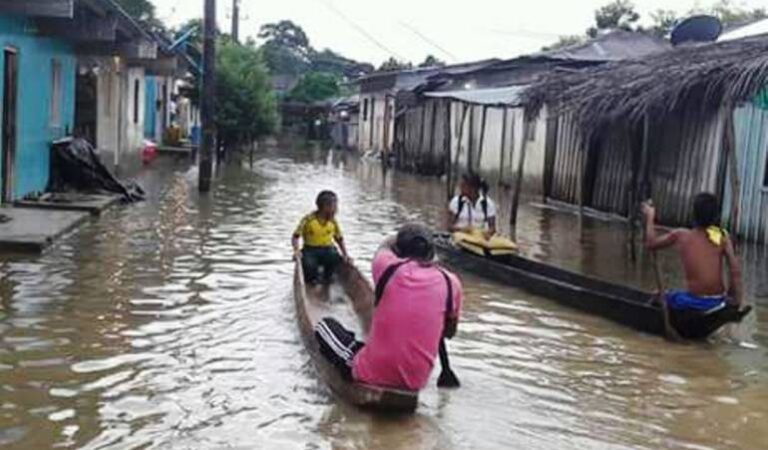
point(120, 138)
point(377, 127)
point(498, 161)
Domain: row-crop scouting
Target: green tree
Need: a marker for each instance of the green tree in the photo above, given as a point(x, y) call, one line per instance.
point(663, 21)
point(246, 106)
point(432, 61)
point(329, 61)
point(618, 15)
point(564, 41)
point(733, 14)
point(393, 64)
point(314, 87)
point(286, 48)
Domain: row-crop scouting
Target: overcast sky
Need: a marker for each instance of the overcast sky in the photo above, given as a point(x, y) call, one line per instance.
point(373, 30)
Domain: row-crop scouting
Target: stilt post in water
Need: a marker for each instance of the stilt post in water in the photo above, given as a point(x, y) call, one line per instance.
point(519, 177)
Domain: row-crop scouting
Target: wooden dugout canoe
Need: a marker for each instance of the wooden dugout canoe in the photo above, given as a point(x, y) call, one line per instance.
point(622, 304)
point(351, 302)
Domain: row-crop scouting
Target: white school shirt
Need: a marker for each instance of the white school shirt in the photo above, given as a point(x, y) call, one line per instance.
point(472, 216)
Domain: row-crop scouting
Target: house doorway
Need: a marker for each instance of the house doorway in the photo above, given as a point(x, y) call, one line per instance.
point(10, 100)
point(86, 115)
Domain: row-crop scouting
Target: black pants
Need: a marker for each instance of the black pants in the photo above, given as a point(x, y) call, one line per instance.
point(315, 258)
point(338, 345)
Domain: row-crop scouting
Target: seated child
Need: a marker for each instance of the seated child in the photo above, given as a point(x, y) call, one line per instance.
point(321, 234)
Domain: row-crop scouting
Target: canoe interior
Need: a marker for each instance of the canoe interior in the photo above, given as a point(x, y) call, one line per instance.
point(621, 304)
point(350, 301)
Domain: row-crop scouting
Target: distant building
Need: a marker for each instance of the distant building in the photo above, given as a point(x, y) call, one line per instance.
point(378, 101)
point(474, 119)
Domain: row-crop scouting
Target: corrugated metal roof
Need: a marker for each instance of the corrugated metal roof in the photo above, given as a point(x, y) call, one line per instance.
point(505, 96)
point(753, 29)
point(613, 46)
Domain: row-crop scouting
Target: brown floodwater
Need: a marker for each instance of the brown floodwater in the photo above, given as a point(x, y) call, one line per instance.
point(169, 325)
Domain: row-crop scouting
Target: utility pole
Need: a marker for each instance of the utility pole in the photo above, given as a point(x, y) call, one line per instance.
point(208, 102)
point(236, 21)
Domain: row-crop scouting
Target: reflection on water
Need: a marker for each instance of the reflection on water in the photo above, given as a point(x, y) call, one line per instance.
point(168, 324)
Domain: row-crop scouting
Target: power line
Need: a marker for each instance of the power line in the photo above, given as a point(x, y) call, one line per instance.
point(360, 29)
point(429, 41)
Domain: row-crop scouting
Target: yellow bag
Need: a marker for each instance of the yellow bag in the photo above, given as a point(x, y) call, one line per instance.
point(476, 243)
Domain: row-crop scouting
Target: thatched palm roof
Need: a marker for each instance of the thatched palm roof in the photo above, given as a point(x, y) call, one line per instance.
point(704, 76)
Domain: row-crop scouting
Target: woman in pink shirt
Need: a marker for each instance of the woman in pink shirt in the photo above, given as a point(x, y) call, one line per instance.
point(418, 303)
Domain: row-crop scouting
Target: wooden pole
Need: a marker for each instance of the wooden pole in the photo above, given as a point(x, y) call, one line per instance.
point(434, 166)
point(729, 142)
point(208, 104)
point(482, 138)
point(519, 178)
point(641, 188)
point(458, 146)
point(471, 141)
point(503, 145)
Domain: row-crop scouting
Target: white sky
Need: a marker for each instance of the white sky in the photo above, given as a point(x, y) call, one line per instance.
point(468, 30)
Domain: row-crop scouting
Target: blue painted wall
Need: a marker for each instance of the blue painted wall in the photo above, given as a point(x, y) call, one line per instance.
point(150, 108)
point(34, 130)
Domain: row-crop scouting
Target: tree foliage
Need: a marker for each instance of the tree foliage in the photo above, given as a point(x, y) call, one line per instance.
point(288, 51)
point(314, 87)
point(618, 15)
point(246, 107)
point(432, 61)
point(663, 21)
point(622, 15)
point(286, 48)
point(730, 13)
point(393, 64)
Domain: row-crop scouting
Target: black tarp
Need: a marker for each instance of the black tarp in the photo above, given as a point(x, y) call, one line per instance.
point(75, 166)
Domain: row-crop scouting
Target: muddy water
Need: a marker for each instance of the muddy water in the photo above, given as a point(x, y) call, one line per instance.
point(169, 325)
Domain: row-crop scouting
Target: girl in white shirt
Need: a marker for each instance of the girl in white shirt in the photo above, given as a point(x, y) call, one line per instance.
point(472, 209)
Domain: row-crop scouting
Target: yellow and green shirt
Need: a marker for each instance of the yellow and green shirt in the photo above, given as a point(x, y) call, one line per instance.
point(318, 233)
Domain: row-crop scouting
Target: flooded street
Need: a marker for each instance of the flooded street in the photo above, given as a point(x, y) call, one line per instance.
point(169, 324)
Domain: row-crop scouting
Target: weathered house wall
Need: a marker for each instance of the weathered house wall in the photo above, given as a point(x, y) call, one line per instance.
point(433, 129)
point(43, 112)
point(121, 113)
point(377, 122)
point(685, 158)
point(751, 132)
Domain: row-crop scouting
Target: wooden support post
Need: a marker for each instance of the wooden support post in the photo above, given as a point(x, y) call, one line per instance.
point(503, 145)
point(729, 143)
point(641, 188)
point(433, 165)
point(482, 138)
point(455, 168)
point(471, 140)
point(415, 162)
point(519, 179)
point(208, 103)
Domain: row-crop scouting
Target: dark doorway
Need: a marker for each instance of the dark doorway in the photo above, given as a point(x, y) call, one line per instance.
point(86, 96)
point(10, 99)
